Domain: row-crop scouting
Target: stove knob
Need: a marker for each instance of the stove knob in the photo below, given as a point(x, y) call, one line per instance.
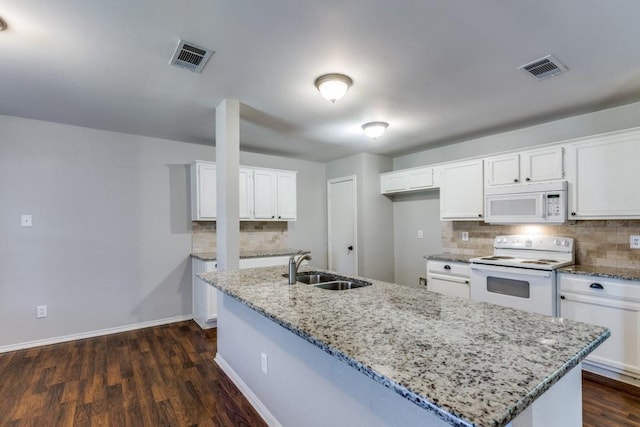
point(566, 243)
point(556, 242)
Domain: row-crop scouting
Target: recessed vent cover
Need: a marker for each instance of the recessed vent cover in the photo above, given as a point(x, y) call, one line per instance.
point(190, 56)
point(544, 68)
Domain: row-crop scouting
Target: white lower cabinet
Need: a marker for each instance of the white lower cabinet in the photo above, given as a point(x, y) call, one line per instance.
point(612, 303)
point(448, 278)
point(205, 296)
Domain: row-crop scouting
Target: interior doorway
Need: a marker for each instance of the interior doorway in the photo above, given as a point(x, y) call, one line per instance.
point(342, 225)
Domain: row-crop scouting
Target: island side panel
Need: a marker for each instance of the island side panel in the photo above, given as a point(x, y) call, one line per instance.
point(304, 385)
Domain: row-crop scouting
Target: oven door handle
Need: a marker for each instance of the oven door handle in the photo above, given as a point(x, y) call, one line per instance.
point(511, 270)
point(449, 278)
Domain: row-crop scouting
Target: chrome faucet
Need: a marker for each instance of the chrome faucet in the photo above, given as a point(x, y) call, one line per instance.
point(295, 264)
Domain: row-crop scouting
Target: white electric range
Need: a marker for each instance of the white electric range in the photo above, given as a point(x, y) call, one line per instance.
point(521, 272)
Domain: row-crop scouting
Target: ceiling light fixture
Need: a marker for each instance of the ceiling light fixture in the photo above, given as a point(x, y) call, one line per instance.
point(333, 86)
point(375, 129)
point(3, 25)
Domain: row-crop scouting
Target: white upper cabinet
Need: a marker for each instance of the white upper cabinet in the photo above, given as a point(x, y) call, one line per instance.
point(545, 164)
point(287, 197)
point(264, 194)
point(603, 177)
point(461, 191)
point(275, 196)
point(203, 191)
point(407, 180)
point(246, 193)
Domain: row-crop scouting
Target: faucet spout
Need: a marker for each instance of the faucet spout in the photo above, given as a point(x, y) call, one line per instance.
point(294, 264)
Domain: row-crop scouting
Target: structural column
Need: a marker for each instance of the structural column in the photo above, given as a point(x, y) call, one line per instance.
point(227, 184)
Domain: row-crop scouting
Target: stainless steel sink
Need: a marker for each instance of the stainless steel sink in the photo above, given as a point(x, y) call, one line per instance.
point(332, 282)
point(342, 285)
point(312, 279)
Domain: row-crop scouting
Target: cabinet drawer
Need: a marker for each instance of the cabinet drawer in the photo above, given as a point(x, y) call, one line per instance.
point(446, 267)
point(599, 286)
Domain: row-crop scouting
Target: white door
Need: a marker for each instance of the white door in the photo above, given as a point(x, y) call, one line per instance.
point(341, 195)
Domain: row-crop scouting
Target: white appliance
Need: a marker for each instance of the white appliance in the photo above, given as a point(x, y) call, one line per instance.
point(526, 203)
point(521, 272)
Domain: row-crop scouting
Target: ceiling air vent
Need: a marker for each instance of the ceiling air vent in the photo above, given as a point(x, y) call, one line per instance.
point(545, 67)
point(190, 56)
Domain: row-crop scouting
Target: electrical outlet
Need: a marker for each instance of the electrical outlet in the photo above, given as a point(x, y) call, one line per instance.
point(420, 234)
point(464, 235)
point(26, 221)
point(422, 281)
point(264, 363)
point(41, 311)
point(634, 241)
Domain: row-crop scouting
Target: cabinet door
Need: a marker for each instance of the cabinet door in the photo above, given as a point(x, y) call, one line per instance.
point(461, 191)
point(621, 351)
point(264, 194)
point(393, 182)
point(246, 194)
point(543, 165)
point(501, 170)
point(419, 178)
point(287, 197)
point(205, 191)
point(205, 310)
point(604, 177)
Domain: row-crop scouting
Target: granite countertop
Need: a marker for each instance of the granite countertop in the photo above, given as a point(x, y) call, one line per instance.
point(446, 256)
point(608, 272)
point(482, 364)
point(254, 253)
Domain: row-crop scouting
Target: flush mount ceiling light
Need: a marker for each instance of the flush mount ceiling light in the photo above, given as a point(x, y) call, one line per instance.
point(375, 129)
point(333, 86)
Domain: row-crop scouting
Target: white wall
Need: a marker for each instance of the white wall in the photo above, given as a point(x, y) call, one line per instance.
point(375, 213)
point(111, 234)
point(417, 212)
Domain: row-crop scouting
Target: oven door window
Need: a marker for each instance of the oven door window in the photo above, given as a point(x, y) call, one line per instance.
point(511, 287)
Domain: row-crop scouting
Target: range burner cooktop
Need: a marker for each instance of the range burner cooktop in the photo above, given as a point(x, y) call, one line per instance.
point(533, 252)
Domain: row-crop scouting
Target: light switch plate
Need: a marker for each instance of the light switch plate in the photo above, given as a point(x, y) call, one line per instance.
point(26, 221)
point(464, 236)
point(420, 234)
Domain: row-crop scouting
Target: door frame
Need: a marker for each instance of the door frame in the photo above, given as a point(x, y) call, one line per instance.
point(355, 219)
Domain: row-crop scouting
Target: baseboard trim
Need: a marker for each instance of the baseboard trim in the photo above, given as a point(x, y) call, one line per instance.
point(92, 334)
point(247, 392)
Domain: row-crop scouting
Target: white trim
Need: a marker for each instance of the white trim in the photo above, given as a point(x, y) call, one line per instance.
point(257, 404)
point(352, 178)
point(91, 334)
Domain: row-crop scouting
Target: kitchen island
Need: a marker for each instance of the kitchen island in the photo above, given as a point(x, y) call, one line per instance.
point(392, 355)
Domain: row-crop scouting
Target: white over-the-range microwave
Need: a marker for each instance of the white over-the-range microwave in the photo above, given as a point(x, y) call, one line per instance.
point(534, 203)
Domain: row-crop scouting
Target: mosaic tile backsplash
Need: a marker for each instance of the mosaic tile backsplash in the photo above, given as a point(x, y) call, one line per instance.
point(254, 235)
point(598, 243)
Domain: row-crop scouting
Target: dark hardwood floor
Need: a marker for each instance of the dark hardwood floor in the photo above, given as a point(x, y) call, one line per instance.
point(166, 376)
point(161, 376)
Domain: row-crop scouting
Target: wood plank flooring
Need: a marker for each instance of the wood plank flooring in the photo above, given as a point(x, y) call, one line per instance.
point(166, 376)
point(161, 376)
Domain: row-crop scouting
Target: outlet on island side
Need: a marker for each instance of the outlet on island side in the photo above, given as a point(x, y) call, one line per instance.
point(634, 241)
point(464, 236)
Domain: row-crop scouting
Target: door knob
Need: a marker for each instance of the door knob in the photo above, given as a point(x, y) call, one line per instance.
point(350, 247)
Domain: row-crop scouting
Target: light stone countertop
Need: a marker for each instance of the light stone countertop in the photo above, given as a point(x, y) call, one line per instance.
point(450, 257)
point(608, 272)
point(254, 253)
point(483, 364)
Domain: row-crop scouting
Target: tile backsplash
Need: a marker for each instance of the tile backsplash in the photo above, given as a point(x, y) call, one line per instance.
point(254, 235)
point(598, 243)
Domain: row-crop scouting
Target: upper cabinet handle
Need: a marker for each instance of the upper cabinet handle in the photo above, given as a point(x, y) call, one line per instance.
point(516, 180)
point(596, 286)
point(527, 179)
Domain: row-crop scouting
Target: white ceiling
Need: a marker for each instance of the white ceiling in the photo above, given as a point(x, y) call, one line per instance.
point(438, 71)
